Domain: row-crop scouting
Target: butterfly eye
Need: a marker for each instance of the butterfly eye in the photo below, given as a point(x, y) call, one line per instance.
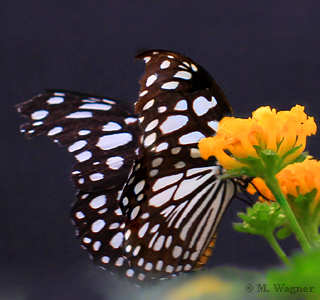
point(147, 205)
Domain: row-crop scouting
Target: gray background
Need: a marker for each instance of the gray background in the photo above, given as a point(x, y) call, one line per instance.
point(259, 52)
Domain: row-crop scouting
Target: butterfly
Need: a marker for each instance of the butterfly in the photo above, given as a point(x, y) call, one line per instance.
point(148, 206)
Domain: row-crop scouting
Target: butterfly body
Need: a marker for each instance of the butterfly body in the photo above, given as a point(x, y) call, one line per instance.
point(148, 205)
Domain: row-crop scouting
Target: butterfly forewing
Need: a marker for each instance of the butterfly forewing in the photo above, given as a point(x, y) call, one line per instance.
point(174, 205)
point(101, 133)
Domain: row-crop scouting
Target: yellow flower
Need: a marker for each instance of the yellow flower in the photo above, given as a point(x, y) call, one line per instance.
point(268, 129)
point(295, 179)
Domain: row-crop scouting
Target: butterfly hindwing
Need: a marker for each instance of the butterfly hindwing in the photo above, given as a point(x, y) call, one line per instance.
point(173, 198)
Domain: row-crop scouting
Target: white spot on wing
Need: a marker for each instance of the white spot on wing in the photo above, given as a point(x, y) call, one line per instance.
point(147, 59)
point(115, 162)
point(86, 240)
point(152, 125)
point(96, 176)
point(175, 150)
point(84, 132)
point(159, 243)
point(161, 147)
point(148, 104)
point(157, 162)
point(179, 165)
point(171, 85)
point(139, 186)
point(162, 198)
point(181, 105)
point(165, 181)
point(39, 114)
point(130, 273)
point(166, 212)
point(153, 173)
point(186, 64)
point(195, 153)
point(159, 265)
point(98, 201)
point(194, 68)
point(169, 269)
point(173, 123)
point(191, 138)
point(135, 212)
point(55, 100)
point(80, 115)
point(140, 262)
point(105, 259)
point(151, 79)
point(214, 125)
point(77, 145)
point(111, 126)
point(145, 92)
point(111, 141)
point(150, 139)
point(116, 240)
point(183, 75)
point(155, 228)
point(201, 105)
point(83, 156)
point(55, 131)
point(165, 64)
point(79, 215)
point(136, 250)
point(97, 225)
point(145, 216)
point(148, 266)
point(114, 226)
point(130, 120)
point(96, 106)
point(96, 245)
point(177, 251)
point(162, 109)
point(107, 101)
point(142, 231)
point(119, 262)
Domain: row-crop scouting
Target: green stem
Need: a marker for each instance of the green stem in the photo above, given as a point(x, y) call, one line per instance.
point(276, 247)
point(273, 185)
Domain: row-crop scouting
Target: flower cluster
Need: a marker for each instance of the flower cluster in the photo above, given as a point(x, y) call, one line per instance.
point(279, 132)
point(295, 179)
point(269, 147)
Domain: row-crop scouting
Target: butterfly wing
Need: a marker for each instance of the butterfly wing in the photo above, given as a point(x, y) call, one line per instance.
point(103, 135)
point(172, 201)
point(173, 198)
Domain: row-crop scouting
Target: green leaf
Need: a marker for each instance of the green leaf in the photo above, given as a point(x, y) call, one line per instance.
point(283, 233)
point(280, 164)
point(261, 219)
point(302, 276)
